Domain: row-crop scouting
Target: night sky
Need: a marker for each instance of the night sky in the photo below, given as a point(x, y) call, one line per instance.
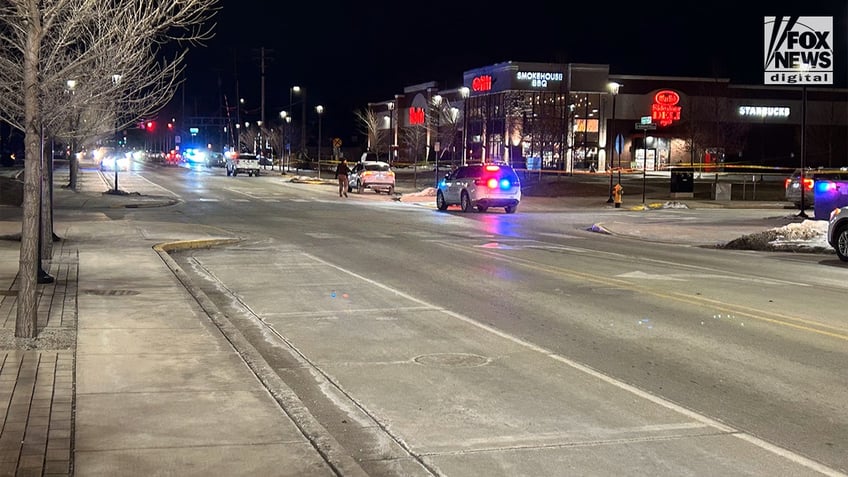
point(347, 54)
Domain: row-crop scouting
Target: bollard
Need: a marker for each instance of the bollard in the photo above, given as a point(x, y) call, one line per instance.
point(616, 195)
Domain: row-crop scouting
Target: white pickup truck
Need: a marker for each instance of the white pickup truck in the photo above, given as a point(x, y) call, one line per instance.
point(242, 164)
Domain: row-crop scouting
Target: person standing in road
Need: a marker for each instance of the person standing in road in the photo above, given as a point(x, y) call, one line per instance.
point(341, 174)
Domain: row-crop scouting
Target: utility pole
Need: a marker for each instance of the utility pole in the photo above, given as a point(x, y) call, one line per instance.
point(262, 84)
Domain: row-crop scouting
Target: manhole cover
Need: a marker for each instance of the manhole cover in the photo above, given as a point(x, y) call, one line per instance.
point(111, 292)
point(452, 360)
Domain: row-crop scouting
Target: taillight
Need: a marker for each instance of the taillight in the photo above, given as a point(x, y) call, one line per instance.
point(492, 183)
point(786, 183)
point(808, 184)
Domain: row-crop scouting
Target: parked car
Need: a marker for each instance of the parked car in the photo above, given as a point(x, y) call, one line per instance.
point(374, 175)
point(837, 232)
point(481, 186)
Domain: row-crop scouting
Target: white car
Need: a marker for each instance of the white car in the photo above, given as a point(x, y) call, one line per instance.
point(242, 163)
point(837, 232)
point(374, 175)
point(481, 186)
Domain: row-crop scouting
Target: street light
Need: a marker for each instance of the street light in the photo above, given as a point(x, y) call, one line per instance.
point(116, 80)
point(284, 155)
point(464, 92)
point(302, 92)
point(613, 89)
point(804, 68)
point(320, 110)
point(391, 106)
point(73, 161)
point(437, 105)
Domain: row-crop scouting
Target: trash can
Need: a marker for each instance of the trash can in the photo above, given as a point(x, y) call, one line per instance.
point(682, 183)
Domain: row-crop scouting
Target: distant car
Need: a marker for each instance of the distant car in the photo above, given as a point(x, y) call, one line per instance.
point(173, 158)
point(115, 161)
point(242, 163)
point(793, 184)
point(837, 232)
point(481, 186)
point(266, 161)
point(195, 156)
point(215, 159)
point(374, 175)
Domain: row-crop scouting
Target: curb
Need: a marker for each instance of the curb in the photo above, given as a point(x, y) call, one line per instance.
point(327, 446)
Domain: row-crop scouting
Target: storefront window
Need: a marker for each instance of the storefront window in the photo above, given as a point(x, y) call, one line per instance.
point(585, 129)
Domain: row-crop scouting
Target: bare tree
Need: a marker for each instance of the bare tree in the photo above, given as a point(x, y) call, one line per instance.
point(369, 124)
point(448, 118)
point(126, 58)
point(414, 140)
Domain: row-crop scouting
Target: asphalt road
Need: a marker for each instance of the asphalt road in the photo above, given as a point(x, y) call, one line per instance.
point(524, 344)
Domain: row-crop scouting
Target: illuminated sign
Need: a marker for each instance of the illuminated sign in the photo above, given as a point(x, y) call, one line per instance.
point(764, 111)
point(481, 83)
point(416, 115)
point(538, 79)
point(799, 50)
point(665, 110)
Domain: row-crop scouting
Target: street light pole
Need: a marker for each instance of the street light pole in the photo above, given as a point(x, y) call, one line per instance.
point(391, 106)
point(613, 88)
point(803, 184)
point(437, 110)
point(319, 109)
point(284, 115)
point(465, 92)
point(288, 143)
point(116, 80)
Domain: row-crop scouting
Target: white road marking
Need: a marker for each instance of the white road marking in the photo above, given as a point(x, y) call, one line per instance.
point(785, 453)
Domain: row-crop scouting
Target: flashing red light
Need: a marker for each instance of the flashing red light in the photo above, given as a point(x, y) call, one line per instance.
point(492, 183)
point(170, 126)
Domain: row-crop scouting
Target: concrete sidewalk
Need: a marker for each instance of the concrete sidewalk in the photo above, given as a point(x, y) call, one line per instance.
point(130, 375)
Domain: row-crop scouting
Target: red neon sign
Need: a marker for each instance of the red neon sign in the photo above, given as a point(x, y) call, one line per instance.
point(481, 83)
point(665, 110)
point(416, 115)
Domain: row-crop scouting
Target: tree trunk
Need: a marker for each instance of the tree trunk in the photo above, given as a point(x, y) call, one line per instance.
point(26, 319)
point(46, 229)
point(73, 167)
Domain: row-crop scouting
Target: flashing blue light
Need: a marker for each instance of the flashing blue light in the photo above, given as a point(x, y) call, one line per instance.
point(505, 184)
point(825, 186)
point(442, 183)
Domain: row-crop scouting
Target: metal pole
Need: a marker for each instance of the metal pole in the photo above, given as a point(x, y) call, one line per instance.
point(803, 214)
point(303, 119)
point(644, 164)
point(612, 150)
point(319, 144)
point(115, 158)
point(395, 132)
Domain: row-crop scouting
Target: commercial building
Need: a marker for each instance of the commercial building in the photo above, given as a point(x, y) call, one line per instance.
point(580, 117)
